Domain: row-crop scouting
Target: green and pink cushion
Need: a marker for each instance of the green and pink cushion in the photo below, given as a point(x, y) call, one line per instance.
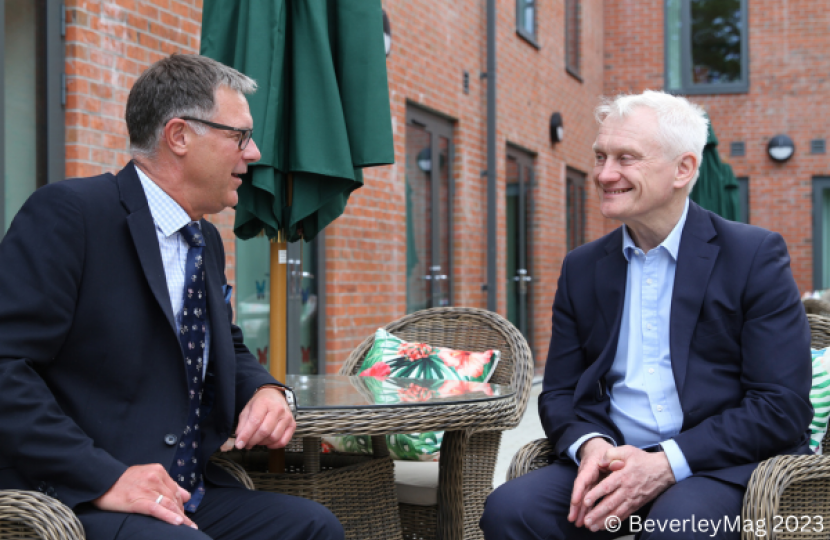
point(390, 356)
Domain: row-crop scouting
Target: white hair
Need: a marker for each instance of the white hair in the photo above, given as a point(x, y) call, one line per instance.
point(681, 125)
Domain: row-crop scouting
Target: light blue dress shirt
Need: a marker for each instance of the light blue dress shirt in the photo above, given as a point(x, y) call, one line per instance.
point(644, 401)
point(169, 218)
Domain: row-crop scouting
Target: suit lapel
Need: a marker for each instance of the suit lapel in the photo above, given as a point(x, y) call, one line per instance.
point(695, 261)
point(610, 279)
point(143, 230)
point(221, 347)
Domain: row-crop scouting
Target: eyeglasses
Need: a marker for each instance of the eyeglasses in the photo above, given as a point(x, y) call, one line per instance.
point(244, 134)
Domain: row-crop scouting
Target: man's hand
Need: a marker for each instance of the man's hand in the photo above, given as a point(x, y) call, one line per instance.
point(590, 473)
point(265, 420)
point(636, 478)
point(137, 491)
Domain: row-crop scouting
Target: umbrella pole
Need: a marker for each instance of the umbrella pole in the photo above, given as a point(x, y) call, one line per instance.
point(276, 460)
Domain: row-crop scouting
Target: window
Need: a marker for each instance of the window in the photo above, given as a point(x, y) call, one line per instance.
point(31, 130)
point(821, 232)
point(526, 19)
point(575, 227)
point(429, 209)
point(707, 51)
point(743, 195)
point(573, 20)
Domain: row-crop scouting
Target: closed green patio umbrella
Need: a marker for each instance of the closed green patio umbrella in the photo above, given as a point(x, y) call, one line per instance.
point(321, 112)
point(716, 188)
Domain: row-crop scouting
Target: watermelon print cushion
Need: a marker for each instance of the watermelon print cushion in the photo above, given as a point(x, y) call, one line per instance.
point(820, 398)
point(390, 356)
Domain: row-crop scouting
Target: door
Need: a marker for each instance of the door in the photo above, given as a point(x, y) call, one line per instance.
point(519, 181)
point(429, 196)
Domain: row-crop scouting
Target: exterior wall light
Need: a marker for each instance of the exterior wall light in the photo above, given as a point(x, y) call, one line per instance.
point(780, 148)
point(387, 33)
point(557, 129)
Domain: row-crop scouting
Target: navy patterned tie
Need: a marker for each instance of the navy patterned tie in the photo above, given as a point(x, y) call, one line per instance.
point(186, 469)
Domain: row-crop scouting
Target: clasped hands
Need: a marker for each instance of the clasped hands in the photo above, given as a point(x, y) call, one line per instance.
point(149, 489)
point(615, 481)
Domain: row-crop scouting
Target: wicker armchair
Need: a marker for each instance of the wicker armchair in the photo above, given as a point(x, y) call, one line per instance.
point(780, 486)
point(467, 459)
point(31, 514)
point(816, 306)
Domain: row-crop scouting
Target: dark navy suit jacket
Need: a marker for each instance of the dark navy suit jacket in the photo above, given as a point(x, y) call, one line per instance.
point(92, 377)
point(739, 341)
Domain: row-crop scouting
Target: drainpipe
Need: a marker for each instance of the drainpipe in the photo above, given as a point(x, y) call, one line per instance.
point(491, 157)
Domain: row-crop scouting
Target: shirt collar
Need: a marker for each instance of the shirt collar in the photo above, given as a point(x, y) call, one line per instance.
point(671, 244)
point(168, 215)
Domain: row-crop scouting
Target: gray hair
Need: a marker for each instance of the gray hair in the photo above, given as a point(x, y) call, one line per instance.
point(179, 85)
point(681, 124)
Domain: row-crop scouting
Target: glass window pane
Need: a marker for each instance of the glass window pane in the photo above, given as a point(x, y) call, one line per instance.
point(674, 27)
point(512, 238)
point(572, 30)
point(716, 28)
point(20, 107)
point(253, 295)
point(442, 283)
point(418, 218)
point(309, 314)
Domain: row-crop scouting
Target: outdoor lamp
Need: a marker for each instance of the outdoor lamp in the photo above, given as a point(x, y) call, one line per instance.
point(557, 130)
point(425, 159)
point(387, 33)
point(780, 148)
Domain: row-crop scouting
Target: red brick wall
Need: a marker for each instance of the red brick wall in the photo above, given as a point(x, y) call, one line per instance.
point(433, 44)
point(787, 94)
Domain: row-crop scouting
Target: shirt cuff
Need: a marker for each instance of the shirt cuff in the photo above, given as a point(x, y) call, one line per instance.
point(677, 461)
point(574, 448)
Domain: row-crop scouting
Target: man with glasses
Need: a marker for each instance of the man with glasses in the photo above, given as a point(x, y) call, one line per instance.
point(121, 371)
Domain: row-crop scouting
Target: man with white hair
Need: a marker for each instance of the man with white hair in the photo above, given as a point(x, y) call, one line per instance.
point(680, 354)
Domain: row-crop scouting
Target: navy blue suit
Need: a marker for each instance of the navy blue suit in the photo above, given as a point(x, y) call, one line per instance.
point(92, 379)
point(739, 339)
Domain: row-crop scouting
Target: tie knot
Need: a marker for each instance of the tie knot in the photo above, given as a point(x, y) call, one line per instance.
point(192, 235)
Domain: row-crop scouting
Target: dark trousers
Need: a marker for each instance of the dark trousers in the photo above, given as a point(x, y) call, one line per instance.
point(535, 507)
point(237, 514)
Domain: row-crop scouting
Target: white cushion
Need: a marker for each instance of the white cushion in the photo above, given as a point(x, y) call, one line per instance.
point(417, 482)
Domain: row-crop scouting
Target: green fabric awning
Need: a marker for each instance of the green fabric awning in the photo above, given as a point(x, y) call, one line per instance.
point(321, 112)
point(716, 188)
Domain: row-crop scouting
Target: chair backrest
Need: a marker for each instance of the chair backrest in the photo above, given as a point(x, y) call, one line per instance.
point(816, 306)
point(467, 329)
point(819, 331)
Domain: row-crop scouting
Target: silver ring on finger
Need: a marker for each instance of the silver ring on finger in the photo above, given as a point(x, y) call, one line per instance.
point(158, 501)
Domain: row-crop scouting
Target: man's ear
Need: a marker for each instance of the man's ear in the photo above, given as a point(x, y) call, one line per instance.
point(177, 135)
point(686, 167)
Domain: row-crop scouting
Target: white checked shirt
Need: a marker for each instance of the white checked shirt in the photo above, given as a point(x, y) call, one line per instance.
point(169, 217)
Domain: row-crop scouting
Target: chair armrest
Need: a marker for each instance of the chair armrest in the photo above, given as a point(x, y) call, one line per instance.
point(532, 456)
point(235, 469)
point(48, 517)
point(788, 486)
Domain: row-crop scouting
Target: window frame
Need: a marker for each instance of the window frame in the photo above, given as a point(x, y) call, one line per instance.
point(687, 87)
point(51, 98)
point(530, 37)
point(820, 184)
point(578, 179)
point(574, 71)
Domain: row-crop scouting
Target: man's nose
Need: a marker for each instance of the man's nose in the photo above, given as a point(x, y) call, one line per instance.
point(251, 153)
point(607, 172)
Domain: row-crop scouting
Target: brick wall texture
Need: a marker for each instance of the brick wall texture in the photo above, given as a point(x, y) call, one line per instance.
point(108, 43)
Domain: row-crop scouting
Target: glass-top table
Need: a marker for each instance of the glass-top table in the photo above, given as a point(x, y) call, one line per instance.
point(355, 392)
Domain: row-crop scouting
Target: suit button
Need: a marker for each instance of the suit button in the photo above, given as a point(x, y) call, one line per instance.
point(170, 439)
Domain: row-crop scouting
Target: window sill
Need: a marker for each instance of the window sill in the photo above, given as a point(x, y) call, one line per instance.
point(708, 90)
point(528, 37)
point(574, 74)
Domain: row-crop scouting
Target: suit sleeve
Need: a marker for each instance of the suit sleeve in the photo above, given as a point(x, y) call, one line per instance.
point(775, 411)
point(42, 260)
point(565, 366)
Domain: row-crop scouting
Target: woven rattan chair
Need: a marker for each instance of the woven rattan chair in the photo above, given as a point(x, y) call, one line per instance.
point(462, 492)
point(31, 514)
point(816, 306)
point(780, 486)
